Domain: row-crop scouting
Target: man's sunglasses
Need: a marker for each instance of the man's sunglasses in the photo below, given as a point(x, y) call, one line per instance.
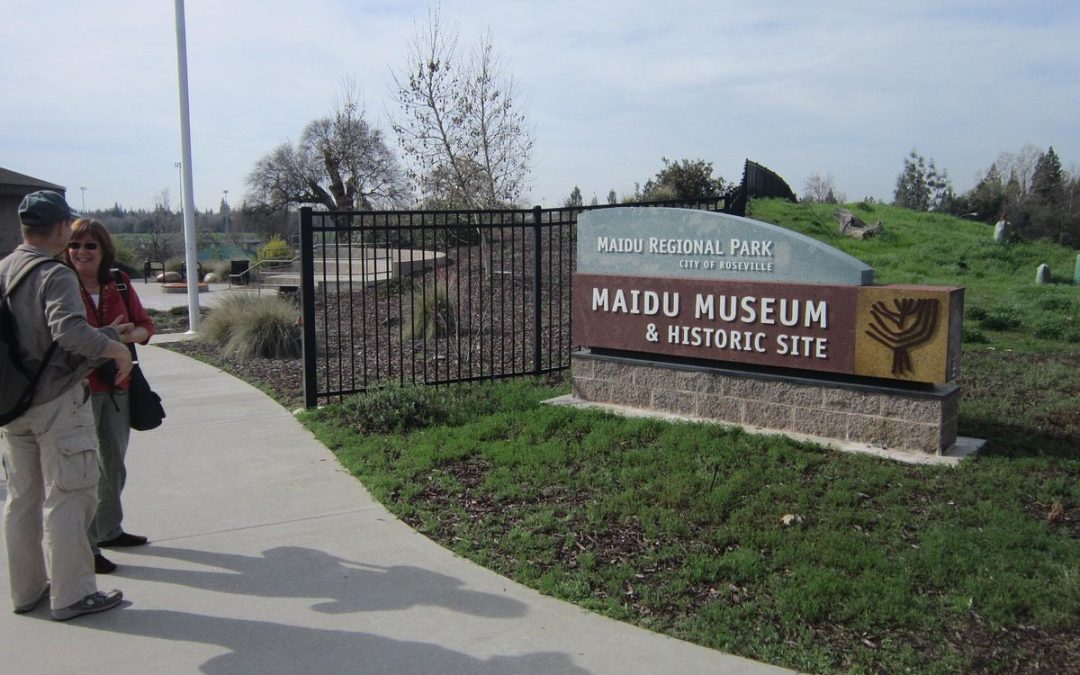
point(88, 245)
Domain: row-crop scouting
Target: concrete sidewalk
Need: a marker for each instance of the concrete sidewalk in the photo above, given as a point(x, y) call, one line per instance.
point(266, 557)
point(153, 295)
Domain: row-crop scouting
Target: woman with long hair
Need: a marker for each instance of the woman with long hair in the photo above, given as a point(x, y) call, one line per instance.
point(110, 301)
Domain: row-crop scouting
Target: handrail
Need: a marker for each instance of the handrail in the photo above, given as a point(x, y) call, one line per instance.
point(241, 275)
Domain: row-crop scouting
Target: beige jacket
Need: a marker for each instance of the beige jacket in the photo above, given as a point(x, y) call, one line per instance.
point(47, 307)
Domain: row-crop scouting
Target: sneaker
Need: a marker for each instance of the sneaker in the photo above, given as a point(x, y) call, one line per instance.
point(103, 565)
point(29, 607)
point(91, 604)
point(123, 540)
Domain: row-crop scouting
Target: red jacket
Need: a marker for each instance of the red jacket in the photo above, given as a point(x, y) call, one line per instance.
point(110, 306)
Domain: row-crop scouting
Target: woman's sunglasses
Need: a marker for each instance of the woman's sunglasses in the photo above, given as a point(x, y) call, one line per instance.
point(88, 245)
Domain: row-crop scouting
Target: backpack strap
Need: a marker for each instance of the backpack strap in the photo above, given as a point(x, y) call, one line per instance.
point(15, 359)
point(26, 269)
point(122, 287)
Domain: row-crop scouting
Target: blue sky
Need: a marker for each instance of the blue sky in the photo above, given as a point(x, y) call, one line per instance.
point(847, 89)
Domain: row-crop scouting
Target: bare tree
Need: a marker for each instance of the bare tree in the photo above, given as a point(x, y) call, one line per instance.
point(822, 189)
point(1018, 168)
point(341, 162)
point(459, 124)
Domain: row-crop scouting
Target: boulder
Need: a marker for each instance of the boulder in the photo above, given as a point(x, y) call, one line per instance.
point(169, 277)
point(211, 278)
point(852, 226)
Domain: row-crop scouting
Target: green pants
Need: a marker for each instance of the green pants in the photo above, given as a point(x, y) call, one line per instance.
point(111, 416)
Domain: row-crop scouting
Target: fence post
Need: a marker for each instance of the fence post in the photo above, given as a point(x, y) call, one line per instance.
point(307, 305)
point(537, 287)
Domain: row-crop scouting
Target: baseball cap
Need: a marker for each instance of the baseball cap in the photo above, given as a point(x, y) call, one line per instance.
point(44, 208)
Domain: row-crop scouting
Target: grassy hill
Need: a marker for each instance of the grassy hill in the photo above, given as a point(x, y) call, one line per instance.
point(1004, 308)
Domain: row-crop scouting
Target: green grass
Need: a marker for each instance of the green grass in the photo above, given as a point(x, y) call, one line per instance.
point(762, 546)
point(1003, 307)
point(679, 528)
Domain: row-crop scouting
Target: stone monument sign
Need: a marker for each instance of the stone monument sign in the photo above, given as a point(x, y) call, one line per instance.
point(737, 300)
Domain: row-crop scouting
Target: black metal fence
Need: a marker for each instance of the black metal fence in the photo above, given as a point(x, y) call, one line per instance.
point(436, 297)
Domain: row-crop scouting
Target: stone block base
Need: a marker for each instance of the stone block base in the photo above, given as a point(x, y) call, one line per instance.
point(915, 420)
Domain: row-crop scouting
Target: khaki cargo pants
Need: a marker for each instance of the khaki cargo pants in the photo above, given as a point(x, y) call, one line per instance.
point(50, 459)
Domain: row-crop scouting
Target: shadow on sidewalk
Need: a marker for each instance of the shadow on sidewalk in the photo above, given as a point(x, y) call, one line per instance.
point(298, 572)
point(268, 648)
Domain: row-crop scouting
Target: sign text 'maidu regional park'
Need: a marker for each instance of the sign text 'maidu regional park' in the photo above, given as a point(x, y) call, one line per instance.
point(712, 286)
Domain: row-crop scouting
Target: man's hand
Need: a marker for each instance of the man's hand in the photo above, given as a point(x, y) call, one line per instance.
point(121, 357)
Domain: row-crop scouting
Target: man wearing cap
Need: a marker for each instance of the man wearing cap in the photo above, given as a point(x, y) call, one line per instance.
point(50, 452)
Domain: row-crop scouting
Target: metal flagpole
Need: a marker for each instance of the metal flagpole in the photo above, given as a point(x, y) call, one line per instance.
point(191, 256)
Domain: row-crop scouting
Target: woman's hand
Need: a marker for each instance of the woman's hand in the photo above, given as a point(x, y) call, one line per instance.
point(124, 329)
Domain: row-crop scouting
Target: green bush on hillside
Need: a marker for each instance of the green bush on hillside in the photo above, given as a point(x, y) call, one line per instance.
point(276, 249)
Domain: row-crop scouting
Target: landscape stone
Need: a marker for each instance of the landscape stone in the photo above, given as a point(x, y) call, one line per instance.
point(1042, 275)
point(1001, 232)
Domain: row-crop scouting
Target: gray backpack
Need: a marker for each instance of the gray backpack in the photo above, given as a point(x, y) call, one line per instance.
point(18, 381)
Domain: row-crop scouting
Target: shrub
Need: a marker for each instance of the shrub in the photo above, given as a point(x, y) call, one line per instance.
point(276, 249)
point(254, 326)
point(395, 409)
point(125, 255)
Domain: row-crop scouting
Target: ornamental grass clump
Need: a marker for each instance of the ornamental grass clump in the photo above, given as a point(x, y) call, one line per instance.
point(433, 313)
point(254, 326)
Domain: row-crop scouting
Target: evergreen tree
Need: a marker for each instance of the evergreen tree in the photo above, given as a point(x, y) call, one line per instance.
point(574, 200)
point(922, 187)
point(911, 189)
point(987, 199)
point(1048, 180)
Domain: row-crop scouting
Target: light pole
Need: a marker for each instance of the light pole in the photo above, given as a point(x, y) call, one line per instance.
point(180, 174)
point(83, 199)
point(225, 213)
point(190, 249)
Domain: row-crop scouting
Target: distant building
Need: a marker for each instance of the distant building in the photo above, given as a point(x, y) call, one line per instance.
point(13, 187)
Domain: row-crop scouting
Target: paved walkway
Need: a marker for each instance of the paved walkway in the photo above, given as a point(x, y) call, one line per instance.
point(266, 557)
